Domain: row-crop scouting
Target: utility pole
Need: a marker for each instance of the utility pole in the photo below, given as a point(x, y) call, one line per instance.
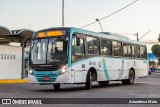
point(62, 13)
point(136, 34)
point(159, 38)
point(99, 24)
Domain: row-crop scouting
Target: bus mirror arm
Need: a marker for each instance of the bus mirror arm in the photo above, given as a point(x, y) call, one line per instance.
point(78, 41)
point(32, 45)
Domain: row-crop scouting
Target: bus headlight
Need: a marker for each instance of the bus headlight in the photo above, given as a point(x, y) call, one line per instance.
point(63, 70)
point(31, 71)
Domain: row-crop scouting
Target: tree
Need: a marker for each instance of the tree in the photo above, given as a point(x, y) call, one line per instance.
point(156, 50)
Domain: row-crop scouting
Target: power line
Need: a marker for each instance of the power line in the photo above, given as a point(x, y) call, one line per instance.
point(136, 34)
point(111, 14)
point(144, 34)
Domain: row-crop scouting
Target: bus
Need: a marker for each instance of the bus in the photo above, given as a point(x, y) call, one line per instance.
point(69, 55)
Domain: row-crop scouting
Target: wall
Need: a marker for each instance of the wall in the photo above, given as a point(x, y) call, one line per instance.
point(10, 62)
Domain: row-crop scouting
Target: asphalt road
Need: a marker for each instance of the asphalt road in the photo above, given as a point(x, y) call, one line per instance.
point(148, 87)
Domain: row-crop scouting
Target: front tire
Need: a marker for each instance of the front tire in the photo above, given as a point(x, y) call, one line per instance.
point(129, 81)
point(88, 84)
point(56, 86)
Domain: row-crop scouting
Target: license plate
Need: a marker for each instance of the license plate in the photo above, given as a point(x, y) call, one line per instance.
point(46, 78)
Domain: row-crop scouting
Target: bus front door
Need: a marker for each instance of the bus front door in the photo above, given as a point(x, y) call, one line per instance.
point(78, 56)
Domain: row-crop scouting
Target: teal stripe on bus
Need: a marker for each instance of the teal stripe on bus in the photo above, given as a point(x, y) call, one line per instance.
point(105, 69)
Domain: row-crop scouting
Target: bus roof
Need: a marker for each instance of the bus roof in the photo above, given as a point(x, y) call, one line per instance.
point(108, 35)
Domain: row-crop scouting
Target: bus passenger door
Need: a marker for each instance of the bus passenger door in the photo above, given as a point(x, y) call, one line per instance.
point(78, 55)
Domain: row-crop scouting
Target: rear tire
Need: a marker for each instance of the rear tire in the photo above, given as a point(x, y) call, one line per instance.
point(88, 84)
point(129, 81)
point(105, 83)
point(56, 86)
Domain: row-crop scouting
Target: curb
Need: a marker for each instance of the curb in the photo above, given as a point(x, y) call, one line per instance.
point(11, 81)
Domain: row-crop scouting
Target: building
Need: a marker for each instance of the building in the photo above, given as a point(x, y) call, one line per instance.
point(12, 52)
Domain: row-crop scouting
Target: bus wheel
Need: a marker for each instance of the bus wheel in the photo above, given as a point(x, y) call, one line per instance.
point(88, 84)
point(129, 81)
point(56, 86)
point(105, 83)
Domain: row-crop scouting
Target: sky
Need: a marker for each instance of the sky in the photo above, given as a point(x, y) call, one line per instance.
point(41, 14)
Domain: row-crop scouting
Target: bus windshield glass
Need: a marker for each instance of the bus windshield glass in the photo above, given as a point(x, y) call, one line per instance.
point(49, 50)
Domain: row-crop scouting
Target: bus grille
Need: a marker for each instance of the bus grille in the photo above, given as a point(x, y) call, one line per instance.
point(39, 77)
point(46, 68)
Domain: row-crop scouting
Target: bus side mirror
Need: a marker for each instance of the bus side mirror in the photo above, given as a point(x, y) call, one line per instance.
point(77, 41)
point(32, 44)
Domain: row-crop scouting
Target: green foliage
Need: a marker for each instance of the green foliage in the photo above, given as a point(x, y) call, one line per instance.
point(156, 50)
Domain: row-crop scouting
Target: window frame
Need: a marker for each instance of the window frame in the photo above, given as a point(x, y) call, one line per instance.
point(98, 47)
point(101, 46)
point(113, 48)
point(81, 36)
point(127, 43)
point(145, 50)
point(136, 55)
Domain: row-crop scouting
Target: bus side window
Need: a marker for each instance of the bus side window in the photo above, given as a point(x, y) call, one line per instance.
point(137, 51)
point(78, 52)
point(117, 49)
point(93, 46)
point(133, 51)
point(127, 51)
point(143, 52)
point(106, 47)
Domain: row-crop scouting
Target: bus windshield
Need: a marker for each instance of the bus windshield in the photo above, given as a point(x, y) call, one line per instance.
point(49, 50)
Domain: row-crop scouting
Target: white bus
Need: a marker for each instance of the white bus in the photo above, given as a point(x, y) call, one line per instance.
point(72, 55)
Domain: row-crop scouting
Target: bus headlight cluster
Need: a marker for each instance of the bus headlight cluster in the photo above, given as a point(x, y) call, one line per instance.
point(31, 71)
point(63, 70)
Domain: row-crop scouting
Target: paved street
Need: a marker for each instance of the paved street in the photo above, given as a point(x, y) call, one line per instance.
point(147, 87)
